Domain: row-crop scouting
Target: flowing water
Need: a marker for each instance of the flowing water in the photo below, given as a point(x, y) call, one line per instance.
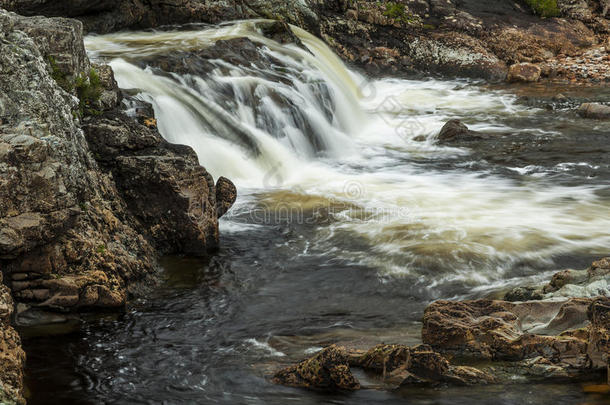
point(350, 219)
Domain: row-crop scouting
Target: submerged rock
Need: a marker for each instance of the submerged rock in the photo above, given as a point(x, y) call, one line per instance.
point(327, 370)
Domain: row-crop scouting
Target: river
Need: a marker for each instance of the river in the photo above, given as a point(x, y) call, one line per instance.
point(350, 219)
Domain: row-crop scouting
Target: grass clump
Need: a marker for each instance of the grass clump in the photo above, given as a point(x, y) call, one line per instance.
point(89, 90)
point(544, 8)
point(87, 86)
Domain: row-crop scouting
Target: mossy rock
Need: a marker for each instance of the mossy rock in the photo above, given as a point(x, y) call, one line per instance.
point(544, 8)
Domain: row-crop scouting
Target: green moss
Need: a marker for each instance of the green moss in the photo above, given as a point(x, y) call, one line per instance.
point(101, 249)
point(398, 12)
point(428, 27)
point(544, 8)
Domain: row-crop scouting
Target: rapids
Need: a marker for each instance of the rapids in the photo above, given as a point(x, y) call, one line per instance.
point(350, 219)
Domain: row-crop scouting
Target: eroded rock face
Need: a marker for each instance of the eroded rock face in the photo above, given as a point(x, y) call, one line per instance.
point(59, 215)
point(327, 370)
point(570, 335)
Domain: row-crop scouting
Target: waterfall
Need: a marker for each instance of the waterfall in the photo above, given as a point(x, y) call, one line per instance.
point(303, 129)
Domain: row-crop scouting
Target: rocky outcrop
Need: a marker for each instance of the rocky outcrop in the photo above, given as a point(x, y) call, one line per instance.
point(113, 15)
point(474, 38)
point(568, 335)
point(60, 216)
point(84, 214)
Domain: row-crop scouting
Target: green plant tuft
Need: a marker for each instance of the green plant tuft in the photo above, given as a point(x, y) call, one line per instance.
point(89, 90)
point(544, 8)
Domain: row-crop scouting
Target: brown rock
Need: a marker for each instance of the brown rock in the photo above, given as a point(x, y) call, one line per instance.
point(599, 339)
point(455, 130)
point(402, 365)
point(523, 72)
point(12, 356)
point(327, 370)
point(226, 194)
point(505, 330)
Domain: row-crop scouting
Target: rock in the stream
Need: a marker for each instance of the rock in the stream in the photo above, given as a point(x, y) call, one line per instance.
point(397, 365)
point(591, 282)
point(327, 370)
point(594, 110)
point(455, 131)
point(420, 365)
point(571, 334)
point(524, 72)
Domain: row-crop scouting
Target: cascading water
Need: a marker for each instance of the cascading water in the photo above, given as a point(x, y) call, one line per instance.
point(304, 126)
point(350, 218)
